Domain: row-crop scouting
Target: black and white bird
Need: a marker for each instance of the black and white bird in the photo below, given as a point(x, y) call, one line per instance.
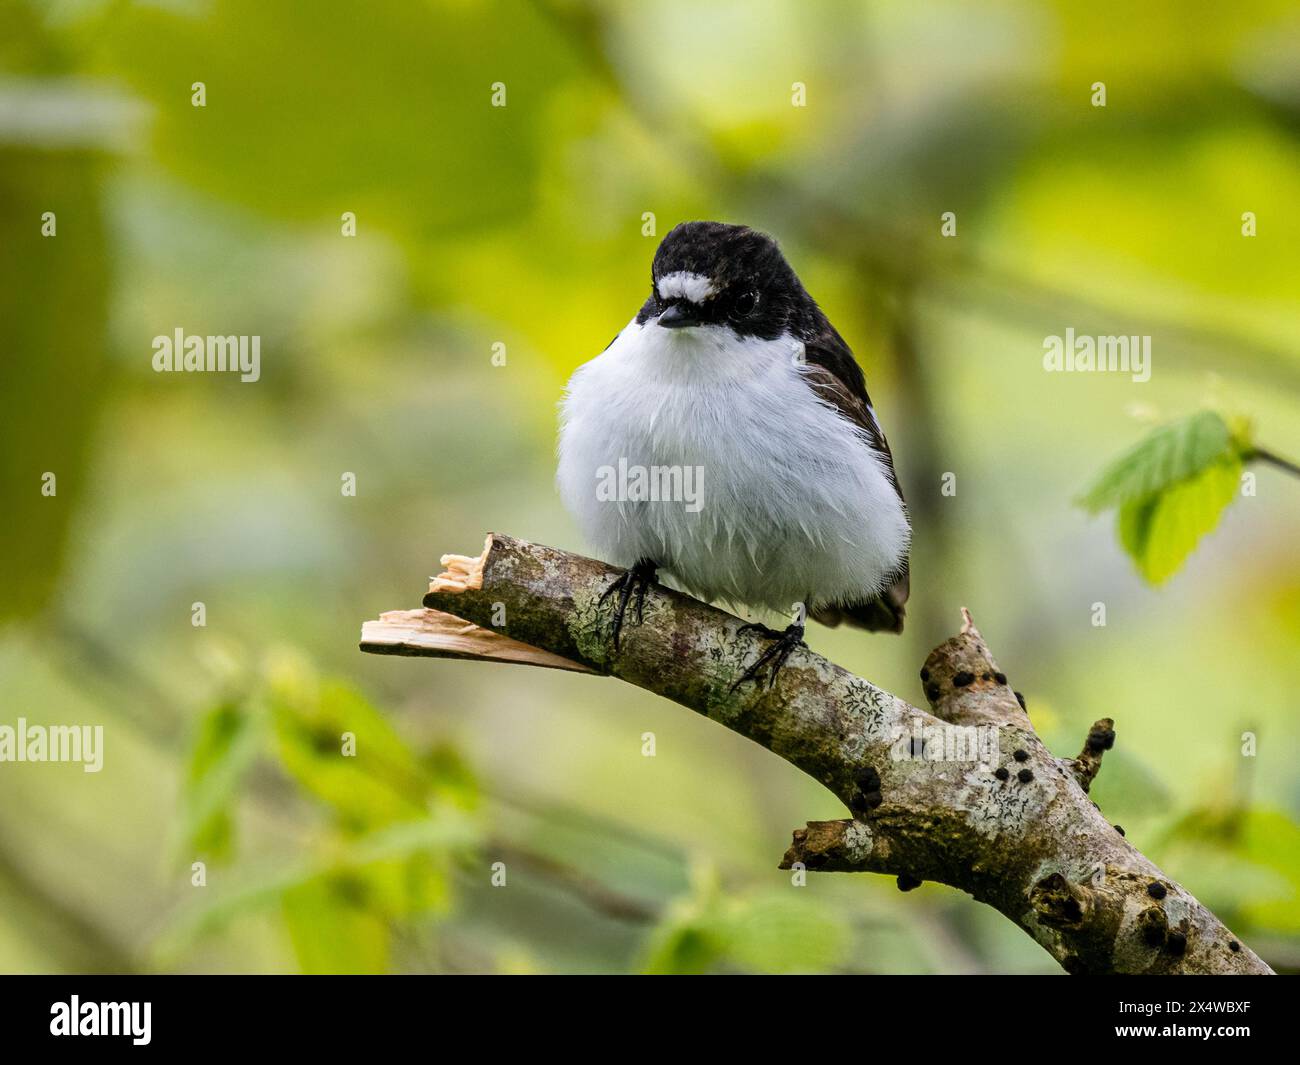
point(730, 370)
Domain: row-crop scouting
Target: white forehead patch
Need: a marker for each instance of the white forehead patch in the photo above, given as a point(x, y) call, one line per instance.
point(685, 285)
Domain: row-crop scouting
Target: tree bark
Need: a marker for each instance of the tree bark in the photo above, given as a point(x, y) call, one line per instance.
point(964, 793)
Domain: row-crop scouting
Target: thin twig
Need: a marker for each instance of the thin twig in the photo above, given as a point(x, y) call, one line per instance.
point(1259, 454)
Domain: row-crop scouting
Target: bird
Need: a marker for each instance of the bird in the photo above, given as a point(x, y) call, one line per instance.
point(725, 438)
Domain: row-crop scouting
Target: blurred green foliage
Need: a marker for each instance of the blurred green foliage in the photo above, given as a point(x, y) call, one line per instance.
point(532, 226)
point(774, 931)
point(226, 745)
point(383, 858)
point(53, 301)
point(346, 115)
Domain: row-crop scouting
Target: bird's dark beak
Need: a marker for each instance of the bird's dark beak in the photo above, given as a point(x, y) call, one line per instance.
point(678, 316)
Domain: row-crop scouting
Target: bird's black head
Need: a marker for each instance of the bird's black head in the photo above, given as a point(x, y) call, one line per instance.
point(711, 273)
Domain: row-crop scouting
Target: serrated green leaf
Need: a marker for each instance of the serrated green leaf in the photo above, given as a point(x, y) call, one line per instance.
point(1160, 531)
point(1173, 453)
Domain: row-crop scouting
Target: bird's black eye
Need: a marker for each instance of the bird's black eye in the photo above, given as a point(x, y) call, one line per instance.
point(743, 305)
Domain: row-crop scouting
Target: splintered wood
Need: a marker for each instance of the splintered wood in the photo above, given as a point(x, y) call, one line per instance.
point(434, 634)
point(461, 573)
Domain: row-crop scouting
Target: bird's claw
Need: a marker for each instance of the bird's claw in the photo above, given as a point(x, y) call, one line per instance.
point(783, 645)
point(634, 581)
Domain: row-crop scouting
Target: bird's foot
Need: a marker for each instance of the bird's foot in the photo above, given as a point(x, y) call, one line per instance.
point(635, 581)
point(783, 645)
point(754, 626)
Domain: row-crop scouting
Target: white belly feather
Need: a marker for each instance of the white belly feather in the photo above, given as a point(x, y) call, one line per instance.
point(794, 505)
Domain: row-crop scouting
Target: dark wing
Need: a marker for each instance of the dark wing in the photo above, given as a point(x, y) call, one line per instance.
point(837, 378)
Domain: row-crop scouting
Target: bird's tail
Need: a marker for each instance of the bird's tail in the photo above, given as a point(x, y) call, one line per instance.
point(884, 613)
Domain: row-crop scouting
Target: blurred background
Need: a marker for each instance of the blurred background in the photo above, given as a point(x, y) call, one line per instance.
point(532, 226)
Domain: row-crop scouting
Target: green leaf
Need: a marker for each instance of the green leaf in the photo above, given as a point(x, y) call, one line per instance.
point(1171, 489)
point(332, 931)
point(777, 931)
point(689, 938)
point(1261, 844)
point(1169, 455)
point(451, 777)
point(783, 931)
point(226, 745)
point(400, 870)
point(1160, 531)
point(682, 950)
point(380, 782)
point(1272, 839)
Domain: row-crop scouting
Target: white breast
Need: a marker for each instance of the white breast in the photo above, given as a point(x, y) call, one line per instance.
point(795, 506)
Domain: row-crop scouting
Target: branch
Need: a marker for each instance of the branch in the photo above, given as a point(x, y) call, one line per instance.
point(1259, 454)
point(963, 794)
point(1101, 738)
